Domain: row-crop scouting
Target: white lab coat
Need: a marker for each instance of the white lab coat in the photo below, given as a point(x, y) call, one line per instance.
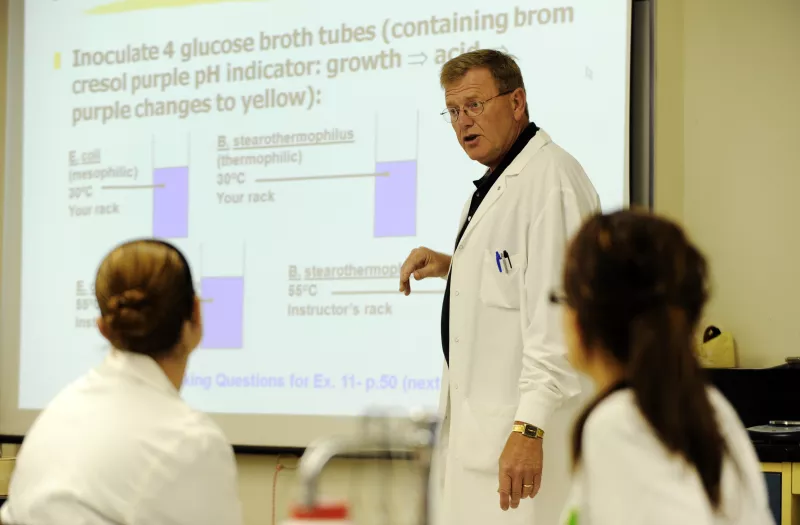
point(507, 357)
point(628, 477)
point(119, 446)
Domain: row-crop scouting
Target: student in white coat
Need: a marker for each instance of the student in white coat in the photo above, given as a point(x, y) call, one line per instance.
point(119, 446)
point(506, 369)
point(658, 445)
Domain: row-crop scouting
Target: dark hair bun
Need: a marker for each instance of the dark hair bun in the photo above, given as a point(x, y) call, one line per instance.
point(129, 314)
point(145, 293)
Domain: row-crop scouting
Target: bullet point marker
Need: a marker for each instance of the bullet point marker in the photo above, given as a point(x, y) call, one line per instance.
point(57, 61)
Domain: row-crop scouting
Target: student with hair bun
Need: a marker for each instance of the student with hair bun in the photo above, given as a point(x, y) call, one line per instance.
point(658, 445)
point(119, 445)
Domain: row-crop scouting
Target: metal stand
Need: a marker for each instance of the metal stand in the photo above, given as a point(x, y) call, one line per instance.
point(418, 439)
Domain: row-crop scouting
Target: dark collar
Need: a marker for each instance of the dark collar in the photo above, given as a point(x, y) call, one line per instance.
point(490, 177)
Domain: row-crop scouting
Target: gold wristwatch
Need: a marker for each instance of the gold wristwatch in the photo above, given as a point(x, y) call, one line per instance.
point(528, 430)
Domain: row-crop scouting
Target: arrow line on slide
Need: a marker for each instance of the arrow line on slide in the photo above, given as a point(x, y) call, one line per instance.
point(421, 58)
point(323, 177)
point(133, 187)
point(382, 292)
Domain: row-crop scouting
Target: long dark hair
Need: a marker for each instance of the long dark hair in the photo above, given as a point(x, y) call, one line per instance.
point(638, 287)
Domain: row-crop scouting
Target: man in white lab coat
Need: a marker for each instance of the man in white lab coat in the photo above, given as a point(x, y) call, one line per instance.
point(506, 371)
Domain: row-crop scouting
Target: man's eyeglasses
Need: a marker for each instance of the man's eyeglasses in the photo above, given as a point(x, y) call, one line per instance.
point(472, 109)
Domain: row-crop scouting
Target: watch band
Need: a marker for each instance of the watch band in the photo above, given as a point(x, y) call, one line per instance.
point(528, 431)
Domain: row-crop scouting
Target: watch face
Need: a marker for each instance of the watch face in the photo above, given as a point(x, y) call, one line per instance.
point(532, 431)
point(528, 430)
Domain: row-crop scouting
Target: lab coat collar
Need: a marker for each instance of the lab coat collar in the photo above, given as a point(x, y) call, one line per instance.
point(535, 144)
point(539, 140)
point(491, 176)
point(140, 368)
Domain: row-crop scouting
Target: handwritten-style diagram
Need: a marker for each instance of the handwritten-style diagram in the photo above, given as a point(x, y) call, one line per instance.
point(169, 187)
point(395, 192)
point(171, 202)
point(396, 199)
point(223, 300)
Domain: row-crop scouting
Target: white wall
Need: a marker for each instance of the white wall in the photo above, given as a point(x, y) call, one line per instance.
point(742, 155)
point(729, 160)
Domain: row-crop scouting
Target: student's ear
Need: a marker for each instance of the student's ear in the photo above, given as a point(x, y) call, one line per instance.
point(104, 331)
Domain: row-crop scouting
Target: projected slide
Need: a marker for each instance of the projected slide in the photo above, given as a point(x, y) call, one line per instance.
point(295, 151)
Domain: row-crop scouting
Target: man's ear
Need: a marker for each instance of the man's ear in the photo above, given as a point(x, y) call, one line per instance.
point(519, 101)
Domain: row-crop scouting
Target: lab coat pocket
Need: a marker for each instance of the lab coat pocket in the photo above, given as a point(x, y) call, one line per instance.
point(501, 289)
point(483, 433)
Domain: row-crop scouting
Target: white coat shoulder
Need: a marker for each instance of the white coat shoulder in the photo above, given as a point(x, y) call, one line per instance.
point(628, 476)
point(546, 170)
point(120, 446)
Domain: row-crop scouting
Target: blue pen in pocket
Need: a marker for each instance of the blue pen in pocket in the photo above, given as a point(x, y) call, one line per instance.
point(497, 258)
